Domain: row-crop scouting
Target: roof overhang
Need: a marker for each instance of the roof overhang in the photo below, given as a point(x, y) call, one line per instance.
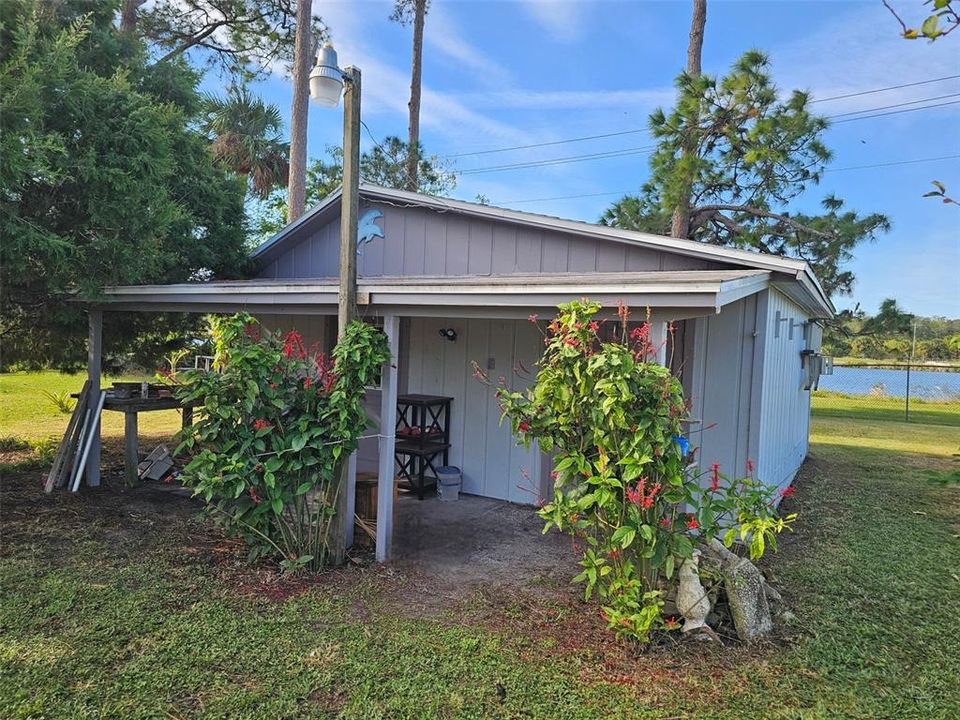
point(672, 293)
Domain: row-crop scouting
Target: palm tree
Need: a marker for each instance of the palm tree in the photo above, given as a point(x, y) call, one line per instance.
point(244, 132)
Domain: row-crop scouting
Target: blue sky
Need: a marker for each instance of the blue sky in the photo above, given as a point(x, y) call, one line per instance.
point(501, 74)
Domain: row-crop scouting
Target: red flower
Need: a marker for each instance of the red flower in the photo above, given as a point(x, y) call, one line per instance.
point(614, 554)
point(293, 345)
point(671, 623)
point(634, 495)
point(524, 426)
point(554, 475)
point(715, 477)
point(692, 523)
point(787, 491)
point(261, 424)
point(307, 383)
point(665, 522)
point(533, 318)
point(594, 325)
point(750, 466)
point(253, 495)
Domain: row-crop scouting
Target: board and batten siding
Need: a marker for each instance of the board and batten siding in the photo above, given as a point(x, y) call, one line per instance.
point(492, 463)
point(785, 405)
point(722, 385)
point(423, 242)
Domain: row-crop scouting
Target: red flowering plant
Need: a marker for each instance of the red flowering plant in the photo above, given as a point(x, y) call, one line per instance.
point(623, 483)
point(276, 424)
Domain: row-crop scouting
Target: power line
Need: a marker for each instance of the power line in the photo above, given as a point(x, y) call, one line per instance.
point(649, 148)
point(911, 102)
point(840, 169)
point(620, 133)
point(885, 89)
point(891, 164)
point(561, 160)
point(896, 112)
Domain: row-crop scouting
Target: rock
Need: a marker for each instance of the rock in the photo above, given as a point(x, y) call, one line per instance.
point(746, 593)
point(692, 600)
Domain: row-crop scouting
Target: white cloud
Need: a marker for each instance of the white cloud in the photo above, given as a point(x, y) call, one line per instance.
point(563, 19)
point(443, 36)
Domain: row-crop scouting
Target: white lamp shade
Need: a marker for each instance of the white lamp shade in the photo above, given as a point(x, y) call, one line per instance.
point(326, 78)
point(325, 91)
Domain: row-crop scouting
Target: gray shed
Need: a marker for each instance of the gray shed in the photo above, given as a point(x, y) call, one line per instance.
point(747, 332)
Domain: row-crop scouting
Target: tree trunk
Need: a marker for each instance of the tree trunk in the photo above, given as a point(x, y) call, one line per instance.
point(416, 70)
point(128, 15)
point(297, 179)
point(680, 224)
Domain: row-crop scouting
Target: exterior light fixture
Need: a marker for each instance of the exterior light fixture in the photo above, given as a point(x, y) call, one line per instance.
point(448, 334)
point(326, 78)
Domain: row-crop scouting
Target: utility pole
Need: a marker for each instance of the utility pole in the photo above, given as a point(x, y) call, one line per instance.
point(297, 178)
point(350, 201)
point(347, 298)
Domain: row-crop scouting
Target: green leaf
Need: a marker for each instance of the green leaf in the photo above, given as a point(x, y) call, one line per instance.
point(277, 505)
point(929, 27)
point(304, 487)
point(298, 443)
point(668, 567)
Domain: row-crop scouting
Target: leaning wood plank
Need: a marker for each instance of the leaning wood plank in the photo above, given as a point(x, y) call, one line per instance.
point(88, 441)
point(66, 468)
point(67, 442)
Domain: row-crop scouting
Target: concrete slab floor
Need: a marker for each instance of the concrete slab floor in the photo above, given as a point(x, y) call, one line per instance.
point(479, 540)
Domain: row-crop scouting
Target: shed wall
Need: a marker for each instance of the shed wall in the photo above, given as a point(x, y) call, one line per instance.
point(785, 405)
point(419, 241)
point(493, 464)
point(722, 386)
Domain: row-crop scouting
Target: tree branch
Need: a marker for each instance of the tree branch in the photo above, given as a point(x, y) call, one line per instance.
point(759, 212)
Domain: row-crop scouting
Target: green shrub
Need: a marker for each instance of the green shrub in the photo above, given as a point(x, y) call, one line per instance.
point(623, 482)
point(278, 422)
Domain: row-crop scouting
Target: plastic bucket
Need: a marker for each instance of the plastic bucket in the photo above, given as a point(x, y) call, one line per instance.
point(448, 483)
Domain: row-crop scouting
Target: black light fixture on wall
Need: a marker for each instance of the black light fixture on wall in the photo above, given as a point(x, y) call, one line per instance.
point(448, 334)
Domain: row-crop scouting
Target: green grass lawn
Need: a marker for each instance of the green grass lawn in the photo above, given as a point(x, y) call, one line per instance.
point(25, 412)
point(866, 407)
point(124, 603)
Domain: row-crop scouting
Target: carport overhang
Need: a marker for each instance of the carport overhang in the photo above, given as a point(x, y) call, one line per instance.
point(669, 295)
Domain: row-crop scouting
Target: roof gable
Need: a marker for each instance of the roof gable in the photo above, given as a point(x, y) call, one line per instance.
point(426, 236)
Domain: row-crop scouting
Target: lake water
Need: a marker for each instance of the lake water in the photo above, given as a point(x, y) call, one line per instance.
point(890, 382)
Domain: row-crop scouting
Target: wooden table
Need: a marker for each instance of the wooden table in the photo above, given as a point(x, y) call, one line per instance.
point(131, 407)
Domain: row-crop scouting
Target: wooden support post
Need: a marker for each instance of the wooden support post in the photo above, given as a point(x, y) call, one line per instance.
point(388, 425)
point(659, 340)
point(131, 454)
point(94, 353)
